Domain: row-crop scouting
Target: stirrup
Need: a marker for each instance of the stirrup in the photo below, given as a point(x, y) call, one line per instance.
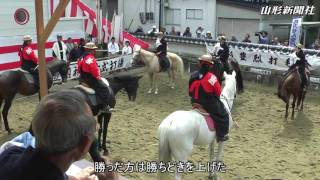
point(107, 109)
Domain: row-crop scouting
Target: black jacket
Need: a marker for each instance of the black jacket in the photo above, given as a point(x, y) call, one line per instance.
point(224, 54)
point(162, 47)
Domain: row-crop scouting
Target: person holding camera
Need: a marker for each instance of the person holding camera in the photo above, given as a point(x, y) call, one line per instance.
point(263, 37)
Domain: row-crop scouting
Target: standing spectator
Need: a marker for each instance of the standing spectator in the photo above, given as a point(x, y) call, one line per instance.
point(59, 49)
point(316, 45)
point(199, 32)
point(187, 33)
point(127, 48)
point(263, 37)
point(153, 31)
point(275, 41)
point(139, 30)
point(173, 31)
point(81, 47)
point(113, 47)
point(233, 38)
point(69, 45)
point(74, 54)
point(247, 38)
point(223, 53)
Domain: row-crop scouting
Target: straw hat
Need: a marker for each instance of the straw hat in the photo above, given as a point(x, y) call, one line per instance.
point(300, 46)
point(27, 38)
point(90, 45)
point(206, 58)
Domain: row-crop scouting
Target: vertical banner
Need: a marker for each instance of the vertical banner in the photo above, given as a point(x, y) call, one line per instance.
point(295, 31)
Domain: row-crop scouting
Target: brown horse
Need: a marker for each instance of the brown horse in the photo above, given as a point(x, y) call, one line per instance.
point(291, 85)
point(19, 81)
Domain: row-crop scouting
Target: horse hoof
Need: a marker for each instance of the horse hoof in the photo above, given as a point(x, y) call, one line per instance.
point(106, 152)
point(150, 91)
point(156, 92)
point(172, 87)
point(9, 132)
point(108, 141)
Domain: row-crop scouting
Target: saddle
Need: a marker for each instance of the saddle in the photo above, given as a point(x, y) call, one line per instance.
point(210, 123)
point(91, 93)
point(28, 76)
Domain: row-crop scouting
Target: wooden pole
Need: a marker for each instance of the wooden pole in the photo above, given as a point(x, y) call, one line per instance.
point(41, 49)
point(42, 36)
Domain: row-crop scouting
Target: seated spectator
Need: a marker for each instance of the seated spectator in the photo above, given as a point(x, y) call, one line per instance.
point(316, 45)
point(69, 45)
point(286, 43)
point(139, 30)
point(153, 31)
point(127, 48)
point(208, 35)
point(81, 46)
point(247, 38)
point(199, 32)
point(233, 38)
point(173, 31)
point(187, 33)
point(113, 47)
point(275, 41)
point(64, 128)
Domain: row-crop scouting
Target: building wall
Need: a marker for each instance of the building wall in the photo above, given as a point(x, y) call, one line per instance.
point(10, 28)
point(132, 8)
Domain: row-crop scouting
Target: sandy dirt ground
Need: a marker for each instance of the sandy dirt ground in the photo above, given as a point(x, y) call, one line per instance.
point(264, 147)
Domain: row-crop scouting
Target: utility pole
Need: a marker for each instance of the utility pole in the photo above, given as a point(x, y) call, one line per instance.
point(99, 24)
point(160, 13)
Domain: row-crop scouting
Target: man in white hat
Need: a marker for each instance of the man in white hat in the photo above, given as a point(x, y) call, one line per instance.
point(205, 89)
point(90, 74)
point(161, 52)
point(29, 59)
point(153, 31)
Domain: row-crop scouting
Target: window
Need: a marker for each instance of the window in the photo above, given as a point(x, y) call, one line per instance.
point(173, 16)
point(195, 14)
point(21, 16)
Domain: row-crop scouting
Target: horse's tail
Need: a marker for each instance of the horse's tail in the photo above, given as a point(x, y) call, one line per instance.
point(164, 147)
point(180, 66)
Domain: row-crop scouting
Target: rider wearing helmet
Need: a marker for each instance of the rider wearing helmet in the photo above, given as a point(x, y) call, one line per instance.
point(224, 53)
point(29, 59)
point(205, 89)
point(90, 74)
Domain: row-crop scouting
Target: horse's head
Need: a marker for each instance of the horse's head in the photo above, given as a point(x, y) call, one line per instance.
point(136, 52)
point(230, 89)
point(59, 66)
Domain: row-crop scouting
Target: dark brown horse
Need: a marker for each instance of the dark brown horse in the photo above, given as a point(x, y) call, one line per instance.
point(19, 81)
point(218, 70)
point(291, 85)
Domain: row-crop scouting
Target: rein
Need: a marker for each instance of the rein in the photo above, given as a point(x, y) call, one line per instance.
point(227, 100)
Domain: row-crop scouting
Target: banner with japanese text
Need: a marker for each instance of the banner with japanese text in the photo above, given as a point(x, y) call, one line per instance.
point(295, 31)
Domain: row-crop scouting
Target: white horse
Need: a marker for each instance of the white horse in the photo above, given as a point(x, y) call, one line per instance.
point(179, 131)
point(153, 67)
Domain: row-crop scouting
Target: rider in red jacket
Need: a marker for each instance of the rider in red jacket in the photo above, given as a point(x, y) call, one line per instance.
point(90, 74)
point(205, 89)
point(28, 58)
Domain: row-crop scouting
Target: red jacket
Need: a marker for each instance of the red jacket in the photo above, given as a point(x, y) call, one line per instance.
point(89, 65)
point(205, 87)
point(28, 54)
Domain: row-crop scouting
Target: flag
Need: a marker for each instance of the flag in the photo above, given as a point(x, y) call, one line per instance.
point(295, 31)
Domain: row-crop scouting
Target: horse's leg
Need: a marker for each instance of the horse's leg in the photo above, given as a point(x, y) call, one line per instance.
point(302, 99)
point(173, 79)
point(170, 77)
point(299, 101)
point(211, 159)
point(0, 114)
point(293, 105)
point(151, 82)
point(155, 84)
point(218, 159)
point(7, 105)
point(106, 120)
point(287, 100)
point(100, 119)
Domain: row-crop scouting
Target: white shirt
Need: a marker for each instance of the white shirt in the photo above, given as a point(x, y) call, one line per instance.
point(126, 50)
point(57, 51)
point(113, 48)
